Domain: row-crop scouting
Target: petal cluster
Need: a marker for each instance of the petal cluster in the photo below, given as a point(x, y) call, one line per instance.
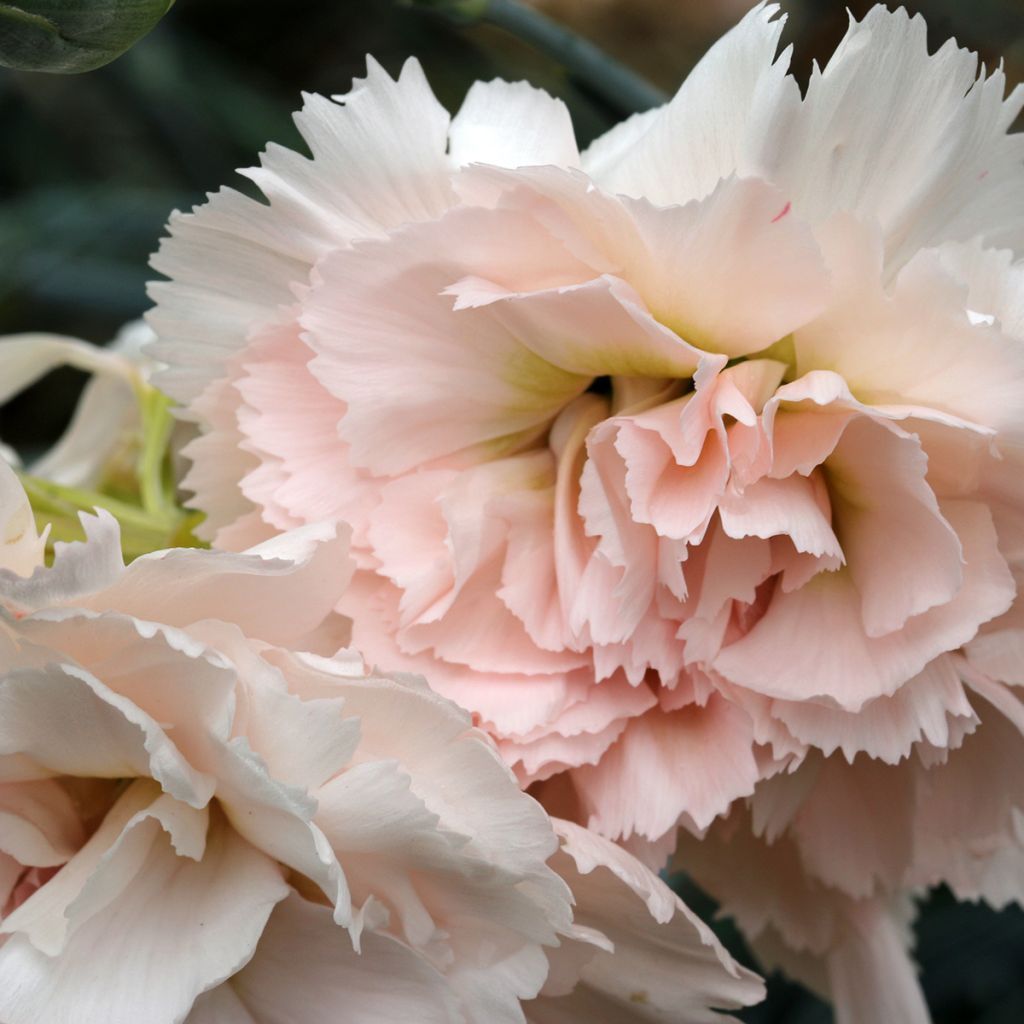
point(203, 815)
point(686, 463)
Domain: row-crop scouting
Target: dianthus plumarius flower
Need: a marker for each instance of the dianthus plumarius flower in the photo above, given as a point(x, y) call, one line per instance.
point(204, 816)
point(690, 464)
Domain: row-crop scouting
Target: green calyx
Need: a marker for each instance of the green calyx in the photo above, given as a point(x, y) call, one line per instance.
point(71, 36)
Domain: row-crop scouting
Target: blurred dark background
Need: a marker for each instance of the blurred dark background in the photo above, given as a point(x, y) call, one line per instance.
point(93, 164)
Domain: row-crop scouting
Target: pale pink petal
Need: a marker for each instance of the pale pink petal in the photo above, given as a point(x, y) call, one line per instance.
point(1000, 653)
point(290, 423)
point(619, 579)
point(79, 568)
point(479, 631)
point(509, 702)
point(694, 761)
point(538, 759)
point(106, 864)
point(913, 350)
point(676, 469)
point(453, 769)
point(529, 575)
point(106, 414)
point(220, 1006)
point(995, 283)
point(165, 673)
point(762, 884)
point(854, 830)
point(599, 327)
point(962, 839)
point(384, 333)
point(932, 706)
point(853, 667)
point(277, 820)
point(891, 527)
point(24, 358)
point(831, 942)
point(110, 737)
point(218, 465)
point(871, 975)
point(582, 733)
point(796, 507)
point(40, 826)
point(270, 716)
point(409, 538)
point(682, 261)
point(435, 884)
point(696, 256)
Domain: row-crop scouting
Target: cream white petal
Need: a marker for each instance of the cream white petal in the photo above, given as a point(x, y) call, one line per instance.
point(664, 964)
point(915, 142)
point(726, 119)
point(177, 929)
point(21, 547)
point(305, 969)
point(378, 160)
point(512, 124)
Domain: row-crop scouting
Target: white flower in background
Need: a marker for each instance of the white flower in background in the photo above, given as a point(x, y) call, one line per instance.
point(120, 450)
point(107, 415)
point(197, 803)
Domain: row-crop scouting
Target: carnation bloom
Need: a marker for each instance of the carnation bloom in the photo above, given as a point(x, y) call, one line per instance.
point(188, 789)
point(680, 462)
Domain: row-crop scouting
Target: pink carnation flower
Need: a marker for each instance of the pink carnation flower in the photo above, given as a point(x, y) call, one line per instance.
point(190, 804)
point(680, 462)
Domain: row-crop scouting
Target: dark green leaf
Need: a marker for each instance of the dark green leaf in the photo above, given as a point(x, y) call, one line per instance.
point(68, 36)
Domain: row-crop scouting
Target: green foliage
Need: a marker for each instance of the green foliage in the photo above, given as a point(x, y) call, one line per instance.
point(137, 488)
point(70, 36)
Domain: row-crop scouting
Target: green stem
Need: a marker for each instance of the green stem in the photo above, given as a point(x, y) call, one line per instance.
point(141, 531)
point(157, 424)
point(619, 86)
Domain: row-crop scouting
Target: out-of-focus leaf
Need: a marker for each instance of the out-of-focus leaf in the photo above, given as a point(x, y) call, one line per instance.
point(70, 36)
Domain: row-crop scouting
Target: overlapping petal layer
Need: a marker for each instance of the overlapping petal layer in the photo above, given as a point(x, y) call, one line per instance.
point(689, 465)
point(193, 801)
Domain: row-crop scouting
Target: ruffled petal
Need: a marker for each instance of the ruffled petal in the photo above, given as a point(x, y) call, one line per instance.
point(693, 761)
point(853, 668)
point(911, 140)
point(233, 262)
point(736, 101)
point(392, 347)
point(645, 956)
point(177, 929)
point(304, 959)
point(304, 570)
